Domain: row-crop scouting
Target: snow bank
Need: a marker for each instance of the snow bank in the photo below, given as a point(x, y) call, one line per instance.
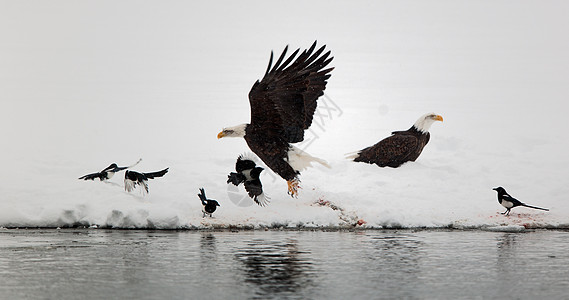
point(72, 104)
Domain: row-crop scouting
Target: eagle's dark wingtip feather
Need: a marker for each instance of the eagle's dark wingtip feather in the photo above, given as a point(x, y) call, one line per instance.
point(280, 60)
point(270, 63)
point(313, 46)
point(289, 59)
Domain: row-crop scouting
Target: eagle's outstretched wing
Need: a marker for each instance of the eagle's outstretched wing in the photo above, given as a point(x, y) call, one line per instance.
point(284, 101)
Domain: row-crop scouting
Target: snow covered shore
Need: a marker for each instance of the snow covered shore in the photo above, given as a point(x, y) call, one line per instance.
point(80, 94)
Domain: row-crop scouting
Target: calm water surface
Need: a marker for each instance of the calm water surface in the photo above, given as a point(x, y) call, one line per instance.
point(115, 264)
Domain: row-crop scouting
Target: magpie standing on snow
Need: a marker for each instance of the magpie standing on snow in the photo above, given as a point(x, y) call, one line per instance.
point(133, 178)
point(248, 173)
point(107, 172)
point(209, 205)
point(510, 202)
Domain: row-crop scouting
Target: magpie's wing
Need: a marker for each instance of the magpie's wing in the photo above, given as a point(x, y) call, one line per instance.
point(515, 201)
point(110, 168)
point(129, 185)
point(244, 164)
point(156, 174)
point(255, 190)
point(235, 178)
point(262, 200)
point(91, 176)
point(145, 184)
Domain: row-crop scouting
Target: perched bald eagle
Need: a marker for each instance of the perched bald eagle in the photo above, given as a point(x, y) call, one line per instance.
point(401, 146)
point(282, 107)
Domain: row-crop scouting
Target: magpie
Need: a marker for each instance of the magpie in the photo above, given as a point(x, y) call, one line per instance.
point(209, 205)
point(248, 173)
point(510, 202)
point(107, 173)
point(133, 178)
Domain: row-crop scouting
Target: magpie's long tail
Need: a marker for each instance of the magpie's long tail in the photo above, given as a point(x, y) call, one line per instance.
point(535, 207)
point(128, 167)
point(202, 196)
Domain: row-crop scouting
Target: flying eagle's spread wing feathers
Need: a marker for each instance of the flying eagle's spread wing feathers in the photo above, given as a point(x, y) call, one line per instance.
point(284, 101)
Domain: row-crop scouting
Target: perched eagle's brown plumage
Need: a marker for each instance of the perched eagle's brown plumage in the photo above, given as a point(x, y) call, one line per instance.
point(401, 146)
point(282, 108)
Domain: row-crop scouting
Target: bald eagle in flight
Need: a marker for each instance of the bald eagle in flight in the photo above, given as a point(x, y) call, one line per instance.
point(282, 107)
point(401, 146)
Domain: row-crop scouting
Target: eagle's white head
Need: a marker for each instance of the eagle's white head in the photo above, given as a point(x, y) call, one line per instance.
point(424, 122)
point(235, 131)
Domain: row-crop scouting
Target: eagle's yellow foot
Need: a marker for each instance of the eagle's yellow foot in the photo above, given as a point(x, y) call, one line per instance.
point(293, 186)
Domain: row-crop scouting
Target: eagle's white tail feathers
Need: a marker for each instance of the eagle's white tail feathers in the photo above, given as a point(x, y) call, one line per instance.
point(352, 155)
point(300, 160)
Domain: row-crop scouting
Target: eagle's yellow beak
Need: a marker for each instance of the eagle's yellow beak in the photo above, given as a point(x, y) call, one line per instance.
point(220, 135)
point(438, 118)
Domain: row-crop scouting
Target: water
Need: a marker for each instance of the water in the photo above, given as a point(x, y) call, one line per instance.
point(114, 264)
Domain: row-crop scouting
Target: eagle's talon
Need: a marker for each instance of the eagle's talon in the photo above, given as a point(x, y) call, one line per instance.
point(293, 186)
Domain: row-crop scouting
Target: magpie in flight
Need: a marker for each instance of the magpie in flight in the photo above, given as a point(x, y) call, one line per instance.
point(107, 172)
point(248, 173)
point(510, 202)
point(209, 205)
point(133, 178)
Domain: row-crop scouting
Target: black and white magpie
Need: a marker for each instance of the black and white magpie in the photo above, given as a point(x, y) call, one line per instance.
point(510, 202)
point(133, 178)
point(108, 172)
point(209, 205)
point(248, 173)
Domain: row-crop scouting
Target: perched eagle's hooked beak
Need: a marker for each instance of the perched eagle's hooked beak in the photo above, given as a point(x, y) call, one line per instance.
point(220, 135)
point(438, 118)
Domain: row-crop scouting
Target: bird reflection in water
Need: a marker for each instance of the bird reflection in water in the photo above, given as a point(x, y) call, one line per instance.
point(275, 268)
point(396, 251)
point(208, 251)
point(506, 246)
point(394, 260)
point(508, 264)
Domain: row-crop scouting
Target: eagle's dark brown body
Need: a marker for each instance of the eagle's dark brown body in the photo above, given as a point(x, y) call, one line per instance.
point(399, 148)
point(272, 151)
